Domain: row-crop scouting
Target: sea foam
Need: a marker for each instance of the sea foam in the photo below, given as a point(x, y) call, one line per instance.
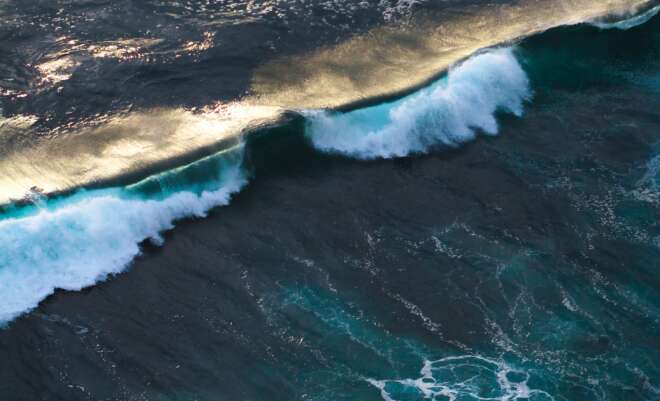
point(463, 377)
point(82, 240)
point(449, 112)
point(631, 22)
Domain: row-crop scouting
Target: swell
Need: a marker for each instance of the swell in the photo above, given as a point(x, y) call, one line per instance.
point(122, 149)
point(74, 241)
point(387, 63)
point(467, 100)
point(383, 64)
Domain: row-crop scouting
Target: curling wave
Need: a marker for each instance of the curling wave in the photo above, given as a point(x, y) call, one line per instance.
point(449, 112)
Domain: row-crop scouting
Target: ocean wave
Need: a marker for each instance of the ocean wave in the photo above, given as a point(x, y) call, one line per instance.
point(449, 112)
point(385, 62)
point(92, 149)
point(74, 242)
point(119, 149)
point(82, 240)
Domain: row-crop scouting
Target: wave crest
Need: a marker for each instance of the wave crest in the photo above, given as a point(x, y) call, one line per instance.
point(449, 112)
point(78, 243)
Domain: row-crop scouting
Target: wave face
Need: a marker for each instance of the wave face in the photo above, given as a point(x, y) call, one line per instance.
point(76, 242)
point(123, 149)
point(388, 61)
point(449, 113)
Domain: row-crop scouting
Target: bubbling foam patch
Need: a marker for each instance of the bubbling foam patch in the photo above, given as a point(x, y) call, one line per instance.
point(449, 112)
point(465, 377)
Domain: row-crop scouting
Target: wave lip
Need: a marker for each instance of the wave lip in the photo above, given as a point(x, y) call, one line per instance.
point(449, 112)
point(78, 243)
point(632, 22)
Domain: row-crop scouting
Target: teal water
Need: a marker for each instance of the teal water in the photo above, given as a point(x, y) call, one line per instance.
point(515, 261)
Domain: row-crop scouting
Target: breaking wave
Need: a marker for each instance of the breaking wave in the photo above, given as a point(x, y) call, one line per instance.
point(73, 242)
point(76, 242)
point(450, 112)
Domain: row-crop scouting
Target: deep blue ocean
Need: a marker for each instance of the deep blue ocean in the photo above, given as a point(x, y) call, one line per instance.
point(491, 234)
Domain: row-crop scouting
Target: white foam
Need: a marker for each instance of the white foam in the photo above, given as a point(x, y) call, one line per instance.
point(647, 188)
point(631, 22)
point(400, 8)
point(449, 112)
point(76, 244)
point(453, 378)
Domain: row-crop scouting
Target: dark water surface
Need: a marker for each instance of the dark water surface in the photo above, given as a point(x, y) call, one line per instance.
point(157, 53)
point(514, 267)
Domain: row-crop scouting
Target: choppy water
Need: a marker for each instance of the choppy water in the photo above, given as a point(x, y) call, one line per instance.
point(492, 236)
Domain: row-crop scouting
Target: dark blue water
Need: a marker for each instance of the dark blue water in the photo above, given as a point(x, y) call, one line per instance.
point(503, 247)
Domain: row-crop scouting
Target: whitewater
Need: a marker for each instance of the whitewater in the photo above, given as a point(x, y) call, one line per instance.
point(450, 112)
point(74, 242)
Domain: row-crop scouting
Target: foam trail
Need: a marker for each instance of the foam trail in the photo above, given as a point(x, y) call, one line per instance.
point(449, 112)
point(75, 244)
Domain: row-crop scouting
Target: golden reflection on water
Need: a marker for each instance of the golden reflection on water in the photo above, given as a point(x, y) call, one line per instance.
point(379, 63)
point(387, 61)
point(122, 145)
